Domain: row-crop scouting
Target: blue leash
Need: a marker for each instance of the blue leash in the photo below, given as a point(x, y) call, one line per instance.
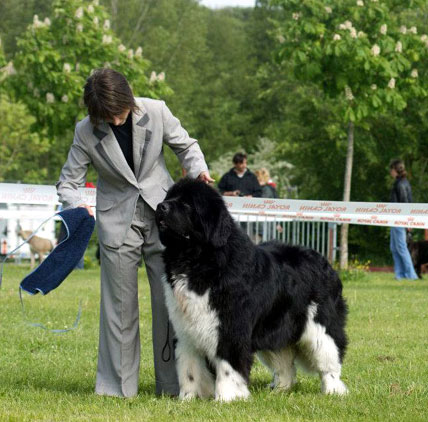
point(37, 324)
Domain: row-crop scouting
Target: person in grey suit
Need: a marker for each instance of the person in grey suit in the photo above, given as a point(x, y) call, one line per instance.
point(122, 138)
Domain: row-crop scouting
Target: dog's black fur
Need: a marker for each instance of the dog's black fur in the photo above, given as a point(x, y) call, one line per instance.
point(419, 253)
point(261, 294)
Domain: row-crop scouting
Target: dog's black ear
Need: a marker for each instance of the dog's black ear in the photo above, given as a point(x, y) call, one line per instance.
point(215, 219)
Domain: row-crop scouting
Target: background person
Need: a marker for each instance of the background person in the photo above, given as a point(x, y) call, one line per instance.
point(267, 190)
point(239, 180)
point(123, 139)
point(400, 192)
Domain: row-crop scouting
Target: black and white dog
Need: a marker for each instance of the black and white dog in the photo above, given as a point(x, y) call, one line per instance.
point(229, 299)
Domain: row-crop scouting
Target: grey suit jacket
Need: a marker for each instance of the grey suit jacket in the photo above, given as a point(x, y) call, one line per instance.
point(118, 188)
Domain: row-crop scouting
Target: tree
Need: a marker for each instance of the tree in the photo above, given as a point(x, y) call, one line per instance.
point(55, 57)
point(356, 52)
point(20, 149)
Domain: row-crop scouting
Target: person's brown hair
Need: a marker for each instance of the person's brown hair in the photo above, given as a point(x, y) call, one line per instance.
point(106, 94)
point(239, 157)
point(398, 166)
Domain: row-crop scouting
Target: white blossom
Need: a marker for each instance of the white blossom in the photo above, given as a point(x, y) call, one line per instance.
point(348, 24)
point(96, 21)
point(361, 34)
point(391, 83)
point(413, 30)
point(79, 27)
point(353, 33)
point(121, 48)
point(296, 16)
point(36, 93)
point(374, 1)
point(153, 77)
point(403, 29)
point(96, 2)
point(9, 69)
point(373, 87)
point(384, 29)
point(91, 9)
point(107, 39)
point(67, 68)
point(161, 76)
point(375, 50)
point(138, 52)
point(281, 39)
point(348, 93)
point(328, 9)
point(106, 24)
point(130, 53)
point(50, 98)
point(414, 73)
point(36, 22)
point(337, 37)
point(47, 22)
point(64, 98)
point(342, 26)
point(79, 13)
point(360, 3)
point(424, 37)
point(399, 47)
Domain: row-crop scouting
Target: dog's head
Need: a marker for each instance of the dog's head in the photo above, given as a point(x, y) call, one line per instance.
point(195, 212)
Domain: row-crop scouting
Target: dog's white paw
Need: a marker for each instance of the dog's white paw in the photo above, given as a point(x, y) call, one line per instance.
point(333, 385)
point(187, 395)
point(228, 395)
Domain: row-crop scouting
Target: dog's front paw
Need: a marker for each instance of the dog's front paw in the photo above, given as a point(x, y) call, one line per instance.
point(187, 395)
point(228, 393)
point(334, 386)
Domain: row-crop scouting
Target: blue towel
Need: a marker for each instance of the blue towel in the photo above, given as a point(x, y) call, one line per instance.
point(63, 259)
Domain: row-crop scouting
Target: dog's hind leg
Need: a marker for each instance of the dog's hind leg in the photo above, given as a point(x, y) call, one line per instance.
point(281, 363)
point(194, 378)
point(318, 351)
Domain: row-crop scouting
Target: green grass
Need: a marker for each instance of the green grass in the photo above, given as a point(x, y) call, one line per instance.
point(50, 377)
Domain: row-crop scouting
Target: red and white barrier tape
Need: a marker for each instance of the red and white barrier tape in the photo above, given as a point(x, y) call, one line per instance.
point(251, 209)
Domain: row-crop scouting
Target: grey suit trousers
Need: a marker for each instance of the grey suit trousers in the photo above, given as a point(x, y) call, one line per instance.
point(119, 341)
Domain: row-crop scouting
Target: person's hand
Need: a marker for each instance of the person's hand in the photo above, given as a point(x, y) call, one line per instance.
point(88, 207)
point(205, 177)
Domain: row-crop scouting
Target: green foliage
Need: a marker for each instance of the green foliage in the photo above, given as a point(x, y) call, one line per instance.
point(54, 59)
point(20, 148)
point(356, 271)
point(358, 52)
point(2, 56)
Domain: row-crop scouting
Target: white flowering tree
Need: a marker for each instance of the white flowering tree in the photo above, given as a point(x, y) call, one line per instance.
point(56, 54)
point(358, 53)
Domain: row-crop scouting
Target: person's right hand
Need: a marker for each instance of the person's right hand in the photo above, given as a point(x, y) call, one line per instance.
point(88, 207)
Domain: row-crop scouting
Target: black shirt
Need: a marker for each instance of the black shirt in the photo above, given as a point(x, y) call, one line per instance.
point(247, 184)
point(401, 191)
point(124, 137)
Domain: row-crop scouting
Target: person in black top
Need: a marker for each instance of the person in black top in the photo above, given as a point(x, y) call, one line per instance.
point(400, 192)
point(239, 180)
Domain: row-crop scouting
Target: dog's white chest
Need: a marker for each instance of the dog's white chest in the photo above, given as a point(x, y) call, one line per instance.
point(192, 315)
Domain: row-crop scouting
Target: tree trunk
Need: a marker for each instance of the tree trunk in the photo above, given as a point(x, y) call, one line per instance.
point(347, 197)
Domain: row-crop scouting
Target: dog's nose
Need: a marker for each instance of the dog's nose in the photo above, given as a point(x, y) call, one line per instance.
point(163, 207)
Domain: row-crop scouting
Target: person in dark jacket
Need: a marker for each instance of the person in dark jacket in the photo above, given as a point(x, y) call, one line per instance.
point(400, 192)
point(239, 180)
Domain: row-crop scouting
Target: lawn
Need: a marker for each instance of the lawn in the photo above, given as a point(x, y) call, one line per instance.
point(46, 376)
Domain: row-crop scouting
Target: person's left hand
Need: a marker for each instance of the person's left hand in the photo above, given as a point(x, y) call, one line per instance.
point(205, 177)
